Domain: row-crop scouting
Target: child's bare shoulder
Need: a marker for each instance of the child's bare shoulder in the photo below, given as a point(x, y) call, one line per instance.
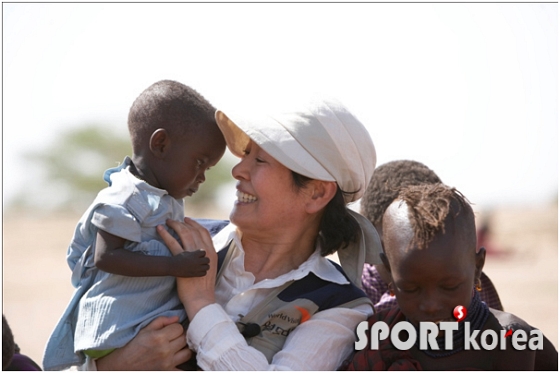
point(510, 321)
point(545, 357)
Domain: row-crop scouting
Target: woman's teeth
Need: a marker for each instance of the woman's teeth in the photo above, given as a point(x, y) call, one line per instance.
point(244, 197)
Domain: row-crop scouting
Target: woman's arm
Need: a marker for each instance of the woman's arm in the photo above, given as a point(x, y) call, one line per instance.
point(195, 292)
point(159, 346)
point(110, 256)
point(547, 358)
point(320, 343)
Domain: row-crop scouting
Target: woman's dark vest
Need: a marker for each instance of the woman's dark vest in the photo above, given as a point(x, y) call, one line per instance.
point(267, 326)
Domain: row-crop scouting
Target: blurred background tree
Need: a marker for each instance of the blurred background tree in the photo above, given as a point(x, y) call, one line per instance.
point(70, 171)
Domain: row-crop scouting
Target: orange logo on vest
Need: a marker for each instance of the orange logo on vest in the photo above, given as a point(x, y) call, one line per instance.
point(304, 314)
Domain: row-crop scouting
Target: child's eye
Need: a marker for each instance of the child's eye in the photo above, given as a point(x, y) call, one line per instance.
point(409, 290)
point(450, 288)
point(259, 160)
point(199, 162)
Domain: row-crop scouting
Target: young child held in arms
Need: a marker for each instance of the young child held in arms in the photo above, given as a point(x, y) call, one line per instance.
point(429, 240)
point(123, 273)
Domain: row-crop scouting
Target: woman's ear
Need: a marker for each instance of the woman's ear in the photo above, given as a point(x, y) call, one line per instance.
point(159, 142)
point(320, 194)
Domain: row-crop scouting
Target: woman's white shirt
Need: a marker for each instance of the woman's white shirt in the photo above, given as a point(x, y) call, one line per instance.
point(321, 343)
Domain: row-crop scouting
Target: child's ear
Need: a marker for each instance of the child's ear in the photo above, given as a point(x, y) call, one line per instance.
point(383, 272)
point(159, 142)
point(479, 259)
point(385, 261)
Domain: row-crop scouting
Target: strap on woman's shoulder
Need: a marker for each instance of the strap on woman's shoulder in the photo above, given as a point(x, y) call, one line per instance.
point(213, 225)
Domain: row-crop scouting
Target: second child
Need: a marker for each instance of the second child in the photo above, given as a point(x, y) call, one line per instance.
point(429, 240)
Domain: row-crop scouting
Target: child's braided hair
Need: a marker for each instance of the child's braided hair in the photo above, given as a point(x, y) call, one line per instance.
point(430, 206)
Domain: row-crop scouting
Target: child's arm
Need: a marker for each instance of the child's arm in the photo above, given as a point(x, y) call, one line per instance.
point(547, 358)
point(110, 256)
point(544, 359)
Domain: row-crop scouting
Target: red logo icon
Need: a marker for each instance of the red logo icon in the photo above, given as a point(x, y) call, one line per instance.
point(460, 312)
point(508, 333)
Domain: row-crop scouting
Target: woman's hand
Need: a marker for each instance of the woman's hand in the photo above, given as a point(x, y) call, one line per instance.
point(194, 292)
point(161, 345)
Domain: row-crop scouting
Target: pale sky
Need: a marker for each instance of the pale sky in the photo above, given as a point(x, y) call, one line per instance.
point(471, 90)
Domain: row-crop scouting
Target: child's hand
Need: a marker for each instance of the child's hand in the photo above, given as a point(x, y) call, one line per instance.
point(190, 264)
point(195, 292)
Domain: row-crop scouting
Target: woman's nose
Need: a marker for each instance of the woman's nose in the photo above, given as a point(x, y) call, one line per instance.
point(239, 171)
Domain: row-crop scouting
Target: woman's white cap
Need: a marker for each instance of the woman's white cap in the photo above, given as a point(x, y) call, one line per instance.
point(321, 140)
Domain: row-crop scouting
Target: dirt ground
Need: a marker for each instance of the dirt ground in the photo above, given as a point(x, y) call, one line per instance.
point(36, 279)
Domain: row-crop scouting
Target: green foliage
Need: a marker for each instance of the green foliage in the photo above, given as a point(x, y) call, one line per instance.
point(77, 159)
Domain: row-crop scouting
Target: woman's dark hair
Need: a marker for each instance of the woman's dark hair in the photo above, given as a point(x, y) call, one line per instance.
point(337, 228)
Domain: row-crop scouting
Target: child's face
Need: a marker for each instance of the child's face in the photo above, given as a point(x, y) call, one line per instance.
point(187, 160)
point(429, 283)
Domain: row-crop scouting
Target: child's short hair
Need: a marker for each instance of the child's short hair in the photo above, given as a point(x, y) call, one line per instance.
point(431, 207)
point(386, 182)
point(170, 105)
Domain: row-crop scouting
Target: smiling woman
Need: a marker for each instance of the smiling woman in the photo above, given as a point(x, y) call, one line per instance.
point(271, 300)
point(434, 80)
